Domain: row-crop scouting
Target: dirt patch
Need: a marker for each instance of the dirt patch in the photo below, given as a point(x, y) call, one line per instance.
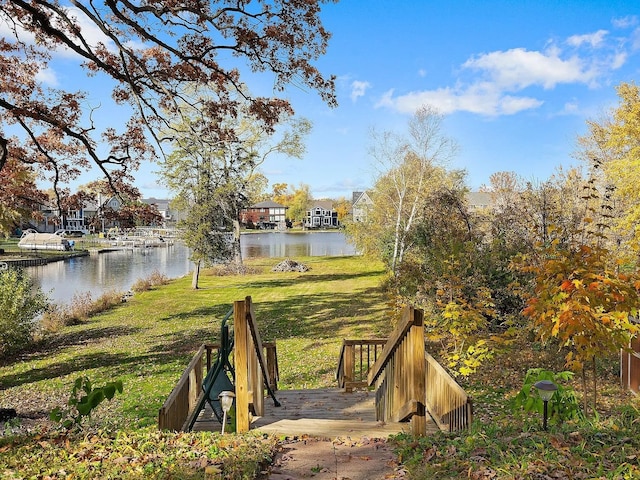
point(339, 459)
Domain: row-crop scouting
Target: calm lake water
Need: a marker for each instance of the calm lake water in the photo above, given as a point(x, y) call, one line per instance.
point(119, 270)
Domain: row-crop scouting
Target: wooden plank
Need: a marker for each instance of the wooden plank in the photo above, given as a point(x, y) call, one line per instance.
point(240, 349)
point(185, 376)
point(178, 404)
point(326, 413)
point(370, 341)
point(417, 379)
point(406, 411)
point(272, 365)
point(257, 342)
point(391, 345)
point(349, 367)
point(192, 413)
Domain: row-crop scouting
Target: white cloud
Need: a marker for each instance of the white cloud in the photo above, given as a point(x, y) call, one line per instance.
point(594, 39)
point(358, 89)
point(497, 79)
point(618, 60)
point(570, 108)
point(422, 72)
point(475, 99)
point(48, 77)
point(518, 68)
point(625, 22)
point(509, 105)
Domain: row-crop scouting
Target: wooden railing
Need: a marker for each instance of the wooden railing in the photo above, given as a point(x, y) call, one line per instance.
point(446, 401)
point(184, 397)
point(399, 374)
point(250, 365)
point(410, 384)
point(272, 364)
point(255, 364)
point(356, 359)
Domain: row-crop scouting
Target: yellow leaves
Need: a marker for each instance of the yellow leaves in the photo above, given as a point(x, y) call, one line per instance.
point(212, 471)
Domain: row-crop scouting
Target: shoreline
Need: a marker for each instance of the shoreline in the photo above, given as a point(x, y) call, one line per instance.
point(29, 261)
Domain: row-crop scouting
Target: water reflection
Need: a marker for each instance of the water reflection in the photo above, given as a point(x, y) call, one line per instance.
point(119, 270)
point(280, 244)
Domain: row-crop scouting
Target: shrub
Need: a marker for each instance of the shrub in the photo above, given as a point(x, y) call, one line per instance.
point(82, 307)
point(20, 305)
point(53, 319)
point(84, 398)
point(564, 404)
point(79, 309)
point(106, 301)
point(143, 284)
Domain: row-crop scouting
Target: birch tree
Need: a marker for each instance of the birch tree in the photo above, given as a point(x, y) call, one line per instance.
point(408, 166)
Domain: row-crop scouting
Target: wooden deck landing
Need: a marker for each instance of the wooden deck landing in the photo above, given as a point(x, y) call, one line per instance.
point(326, 413)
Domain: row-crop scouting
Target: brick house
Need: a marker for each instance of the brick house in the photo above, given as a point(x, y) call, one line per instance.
point(267, 214)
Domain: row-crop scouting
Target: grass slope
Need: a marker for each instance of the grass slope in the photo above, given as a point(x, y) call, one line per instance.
point(148, 341)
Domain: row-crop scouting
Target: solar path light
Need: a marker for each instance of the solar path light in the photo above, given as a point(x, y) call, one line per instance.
point(546, 389)
point(226, 400)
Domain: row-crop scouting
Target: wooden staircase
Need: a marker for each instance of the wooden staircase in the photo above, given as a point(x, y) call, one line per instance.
point(385, 387)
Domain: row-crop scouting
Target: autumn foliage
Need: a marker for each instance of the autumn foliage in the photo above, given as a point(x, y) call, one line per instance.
point(153, 54)
point(583, 300)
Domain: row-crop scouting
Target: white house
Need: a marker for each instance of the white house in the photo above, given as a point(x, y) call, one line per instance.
point(361, 205)
point(321, 215)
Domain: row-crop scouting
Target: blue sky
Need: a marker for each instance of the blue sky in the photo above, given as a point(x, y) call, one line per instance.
point(515, 79)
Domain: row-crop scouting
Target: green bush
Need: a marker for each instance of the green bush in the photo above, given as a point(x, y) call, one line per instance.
point(20, 305)
point(564, 405)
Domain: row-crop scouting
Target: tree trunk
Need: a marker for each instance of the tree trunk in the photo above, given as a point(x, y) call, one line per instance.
point(196, 274)
point(237, 251)
point(585, 403)
point(595, 391)
point(4, 152)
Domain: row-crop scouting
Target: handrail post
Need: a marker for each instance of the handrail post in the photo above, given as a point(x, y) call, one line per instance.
point(272, 365)
point(416, 351)
point(241, 365)
point(349, 367)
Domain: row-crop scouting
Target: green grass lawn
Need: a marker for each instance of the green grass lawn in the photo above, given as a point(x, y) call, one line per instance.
point(148, 341)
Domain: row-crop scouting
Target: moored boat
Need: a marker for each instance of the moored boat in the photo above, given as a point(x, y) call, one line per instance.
point(32, 240)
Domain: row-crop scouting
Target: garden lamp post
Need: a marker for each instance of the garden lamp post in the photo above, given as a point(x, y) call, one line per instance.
point(226, 400)
point(546, 389)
